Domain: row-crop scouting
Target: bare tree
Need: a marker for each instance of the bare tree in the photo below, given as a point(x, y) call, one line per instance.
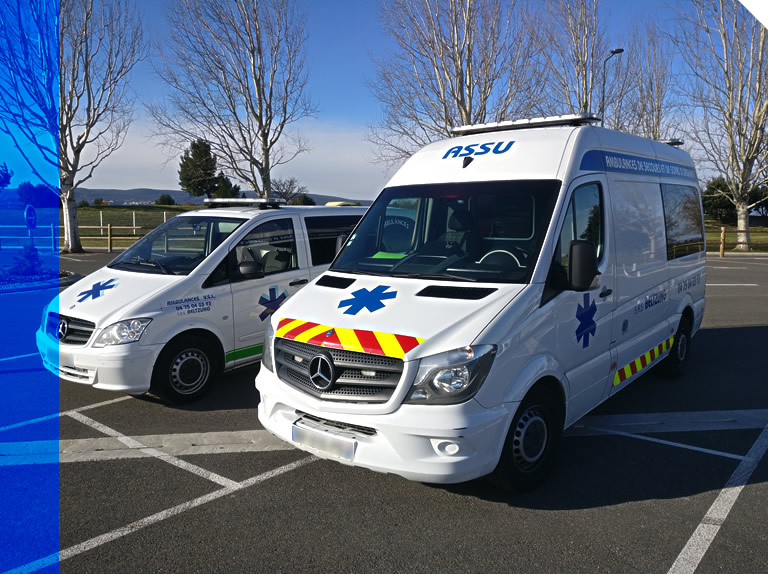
point(288, 189)
point(237, 78)
point(28, 72)
point(99, 45)
point(456, 62)
point(573, 47)
point(652, 104)
point(725, 50)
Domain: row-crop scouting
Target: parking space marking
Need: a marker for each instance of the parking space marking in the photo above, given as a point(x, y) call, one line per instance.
point(698, 544)
point(732, 285)
point(669, 443)
point(133, 443)
point(63, 413)
point(18, 357)
point(713, 267)
point(155, 518)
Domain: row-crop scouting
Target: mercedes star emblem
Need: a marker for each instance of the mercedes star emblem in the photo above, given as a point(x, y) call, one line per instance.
point(321, 372)
point(63, 328)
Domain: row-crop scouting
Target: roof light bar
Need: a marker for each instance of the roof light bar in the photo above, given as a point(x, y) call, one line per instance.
point(566, 120)
point(261, 202)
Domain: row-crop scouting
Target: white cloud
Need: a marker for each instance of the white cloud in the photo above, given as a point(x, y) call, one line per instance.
point(339, 163)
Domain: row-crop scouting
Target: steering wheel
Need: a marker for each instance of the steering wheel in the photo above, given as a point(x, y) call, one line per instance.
point(500, 252)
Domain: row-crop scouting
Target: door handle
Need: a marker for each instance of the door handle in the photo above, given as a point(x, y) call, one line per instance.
point(298, 282)
point(606, 292)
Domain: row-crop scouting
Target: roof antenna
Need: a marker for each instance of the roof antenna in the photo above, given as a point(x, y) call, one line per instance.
point(467, 161)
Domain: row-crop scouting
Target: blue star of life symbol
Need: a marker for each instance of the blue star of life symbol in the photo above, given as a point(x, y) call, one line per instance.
point(97, 290)
point(586, 316)
point(271, 302)
point(371, 300)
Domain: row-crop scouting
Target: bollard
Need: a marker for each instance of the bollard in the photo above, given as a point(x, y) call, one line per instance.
point(109, 238)
point(722, 242)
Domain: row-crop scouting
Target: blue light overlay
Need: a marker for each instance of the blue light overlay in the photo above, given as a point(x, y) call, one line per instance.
point(29, 275)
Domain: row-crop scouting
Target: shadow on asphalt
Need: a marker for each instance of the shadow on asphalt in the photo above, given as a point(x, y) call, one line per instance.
point(725, 373)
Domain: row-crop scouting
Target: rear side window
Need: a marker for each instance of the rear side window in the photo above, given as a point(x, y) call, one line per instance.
point(583, 220)
point(326, 235)
point(682, 219)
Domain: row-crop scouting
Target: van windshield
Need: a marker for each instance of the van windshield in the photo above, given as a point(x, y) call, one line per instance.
point(177, 246)
point(479, 231)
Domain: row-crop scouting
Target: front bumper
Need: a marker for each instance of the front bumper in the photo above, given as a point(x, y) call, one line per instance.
point(436, 443)
point(125, 368)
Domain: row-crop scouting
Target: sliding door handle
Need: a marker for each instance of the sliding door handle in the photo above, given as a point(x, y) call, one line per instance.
point(298, 282)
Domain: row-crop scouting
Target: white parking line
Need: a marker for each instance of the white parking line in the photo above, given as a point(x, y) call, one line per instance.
point(674, 422)
point(63, 413)
point(670, 443)
point(18, 357)
point(732, 285)
point(155, 518)
point(133, 443)
point(690, 557)
point(713, 267)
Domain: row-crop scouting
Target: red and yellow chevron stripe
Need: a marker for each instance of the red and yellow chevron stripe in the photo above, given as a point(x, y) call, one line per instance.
point(374, 342)
point(642, 362)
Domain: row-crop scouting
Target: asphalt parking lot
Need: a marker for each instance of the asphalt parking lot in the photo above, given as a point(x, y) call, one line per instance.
point(668, 476)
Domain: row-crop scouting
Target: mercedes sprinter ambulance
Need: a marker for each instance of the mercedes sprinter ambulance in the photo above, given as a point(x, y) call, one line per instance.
point(191, 298)
point(503, 284)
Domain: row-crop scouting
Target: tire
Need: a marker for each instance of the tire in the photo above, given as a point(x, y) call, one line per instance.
point(184, 370)
point(676, 363)
point(532, 442)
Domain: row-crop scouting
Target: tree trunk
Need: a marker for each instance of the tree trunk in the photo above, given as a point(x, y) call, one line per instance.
point(742, 218)
point(71, 233)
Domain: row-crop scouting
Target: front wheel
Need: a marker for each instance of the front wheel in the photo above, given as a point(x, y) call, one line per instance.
point(184, 370)
point(676, 363)
point(531, 443)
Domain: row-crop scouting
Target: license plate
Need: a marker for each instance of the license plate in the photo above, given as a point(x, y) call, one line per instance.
point(333, 445)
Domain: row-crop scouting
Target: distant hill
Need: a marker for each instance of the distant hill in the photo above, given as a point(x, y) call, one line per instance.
point(144, 196)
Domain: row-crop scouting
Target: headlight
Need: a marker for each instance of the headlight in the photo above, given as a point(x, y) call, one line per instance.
point(122, 332)
point(44, 319)
point(452, 377)
point(269, 340)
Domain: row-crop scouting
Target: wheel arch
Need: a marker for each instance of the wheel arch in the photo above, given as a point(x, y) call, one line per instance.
point(217, 354)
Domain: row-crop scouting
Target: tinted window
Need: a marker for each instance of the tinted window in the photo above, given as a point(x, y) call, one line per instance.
point(326, 235)
point(682, 218)
point(271, 244)
point(583, 220)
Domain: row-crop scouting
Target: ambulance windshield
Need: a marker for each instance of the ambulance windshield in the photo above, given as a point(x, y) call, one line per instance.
point(177, 246)
point(479, 231)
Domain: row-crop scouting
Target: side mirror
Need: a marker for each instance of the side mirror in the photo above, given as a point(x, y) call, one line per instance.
point(582, 265)
point(251, 270)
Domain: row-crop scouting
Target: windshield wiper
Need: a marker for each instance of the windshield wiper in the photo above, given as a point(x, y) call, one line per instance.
point(445, 276)
point(144, 261)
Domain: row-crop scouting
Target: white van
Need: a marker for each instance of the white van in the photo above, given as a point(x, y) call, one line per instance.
point(190, 299)
point(503, 284)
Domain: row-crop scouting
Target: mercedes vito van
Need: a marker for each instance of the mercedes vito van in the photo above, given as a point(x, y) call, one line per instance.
point(503, 284)
point(190, 299)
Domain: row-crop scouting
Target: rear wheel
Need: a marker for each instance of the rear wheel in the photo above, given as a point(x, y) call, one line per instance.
point(184, 370)
point(676, 363)
point(531, 442)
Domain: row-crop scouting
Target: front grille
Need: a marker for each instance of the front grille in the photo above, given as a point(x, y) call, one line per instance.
point(78, 331)
point(351, 384)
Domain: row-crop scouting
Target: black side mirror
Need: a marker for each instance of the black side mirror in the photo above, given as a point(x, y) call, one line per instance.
point(251, 270)
point(582, 265)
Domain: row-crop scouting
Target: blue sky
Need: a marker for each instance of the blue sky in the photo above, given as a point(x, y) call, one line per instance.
point(343, 34)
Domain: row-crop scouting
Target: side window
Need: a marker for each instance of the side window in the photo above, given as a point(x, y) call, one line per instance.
point(271, 244)
point(682, 220)
point(324, 231)
point(583, 220)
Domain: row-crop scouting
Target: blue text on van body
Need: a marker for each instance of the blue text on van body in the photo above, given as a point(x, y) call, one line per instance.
point(478, 149)
point(599, 160)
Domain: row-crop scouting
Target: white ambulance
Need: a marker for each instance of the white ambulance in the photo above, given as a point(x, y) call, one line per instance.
point(504, 283)
point(190, 299)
